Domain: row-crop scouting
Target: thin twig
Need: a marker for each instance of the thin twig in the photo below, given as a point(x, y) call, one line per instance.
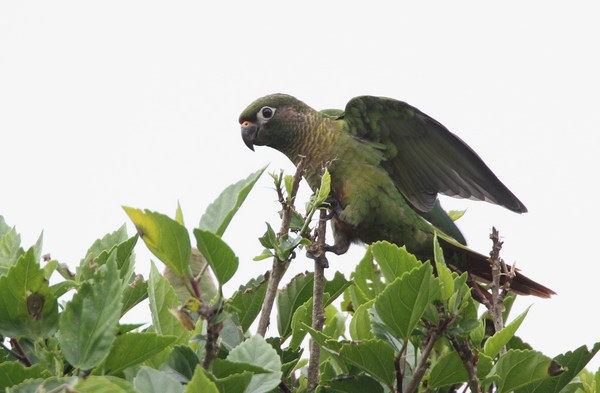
point(399, 376)
point(279, 267)
point(318, 313)
point(469, 361)
point(434, 333)
point(423, 364)
point(284, 388)
point(196, 288)
point(20, 352)
point(211, 347)
point(277, 272)
point(497, 298)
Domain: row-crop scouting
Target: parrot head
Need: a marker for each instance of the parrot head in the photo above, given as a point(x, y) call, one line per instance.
point(273, 121)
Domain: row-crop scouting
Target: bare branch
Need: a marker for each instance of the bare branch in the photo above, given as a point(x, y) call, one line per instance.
point(497, 306)
point(399, 374)
point(469, 360)
point(279, 267)
point(318, 313)
point(18, 352)
point(433, 334)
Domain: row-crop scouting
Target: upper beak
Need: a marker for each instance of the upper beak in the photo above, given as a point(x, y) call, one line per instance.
point(248, 133)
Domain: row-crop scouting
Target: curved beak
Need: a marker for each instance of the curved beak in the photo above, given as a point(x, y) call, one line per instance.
point(249, 130)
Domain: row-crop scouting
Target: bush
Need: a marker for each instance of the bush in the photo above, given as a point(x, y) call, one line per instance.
point(392, 326)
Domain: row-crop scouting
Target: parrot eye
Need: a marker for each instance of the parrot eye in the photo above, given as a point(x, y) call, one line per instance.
point(266, 112)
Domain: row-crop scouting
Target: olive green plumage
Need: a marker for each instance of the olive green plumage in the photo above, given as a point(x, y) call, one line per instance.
point(388, 162)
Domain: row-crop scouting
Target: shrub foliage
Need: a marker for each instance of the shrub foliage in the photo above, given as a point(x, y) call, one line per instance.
point(396, 324)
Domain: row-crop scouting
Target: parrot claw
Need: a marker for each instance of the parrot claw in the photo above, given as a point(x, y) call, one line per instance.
point(335, 208)
point(318, 258)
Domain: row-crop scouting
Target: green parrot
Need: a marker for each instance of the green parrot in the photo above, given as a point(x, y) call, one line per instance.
point(388, 161)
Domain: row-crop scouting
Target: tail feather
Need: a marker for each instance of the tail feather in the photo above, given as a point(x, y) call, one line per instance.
point(464, 259)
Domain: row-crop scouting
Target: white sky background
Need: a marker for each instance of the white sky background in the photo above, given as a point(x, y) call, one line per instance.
point(113, 103)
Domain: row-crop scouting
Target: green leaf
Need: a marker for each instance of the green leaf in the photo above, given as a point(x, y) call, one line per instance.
point(149, 380)
point(13, 373)
point(335, 322)
point(288, 182)
point(218, 214)
point(35, 385)
point(438, 253)
point(375, 357)
point(258, 352)
point(324, 189)
point(351, 384)
point(393, 260)
point(4, 228)
point(234, 383)
point(28, 308)
point(297, 221)
point(460, 298)
point(37, 247)
point(133, 348)
point(331, 346)
point(10, 249)
point(478, 333)
point(134, 293)
point(162, 297)
point(89, 322)
point(123, 328)
point(367, 281)
point(296, 293)
point(269, 239)
point(49, 268)
point(573, 362)
point(200, 382)
point(381, 331)
point(107, 242)
point(223, 367)
point(219, 256)
point(164, 237)
point(231, 334)
point(290, 359)
point(302, 316)
point(181, 363)
point(122, 251)
point(181, 285)
point(179, 215)
point(246, 302)
point(517, 369)
point(494, 344)
point(287, 245)
point(456, 214)
point(401, 305)
point(104, 384)
point(102, 245)
point(360, 325)
point(335, 287)
point(447, 370)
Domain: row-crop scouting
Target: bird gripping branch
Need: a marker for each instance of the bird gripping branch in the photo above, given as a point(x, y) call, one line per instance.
point(388, 162)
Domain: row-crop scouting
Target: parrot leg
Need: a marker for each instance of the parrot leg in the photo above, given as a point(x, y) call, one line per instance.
point(341, 243)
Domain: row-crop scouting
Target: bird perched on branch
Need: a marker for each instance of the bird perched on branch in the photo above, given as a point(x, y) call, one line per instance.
point(388, 162)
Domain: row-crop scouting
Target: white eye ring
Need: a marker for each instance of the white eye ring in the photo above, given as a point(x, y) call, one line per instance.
point(265, 113)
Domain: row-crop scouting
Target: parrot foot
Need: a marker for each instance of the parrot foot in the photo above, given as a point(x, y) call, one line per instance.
point(318, 256)
point(335, 208)
point(337, 249)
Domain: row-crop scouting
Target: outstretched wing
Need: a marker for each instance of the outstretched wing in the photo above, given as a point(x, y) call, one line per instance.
point(422, 156)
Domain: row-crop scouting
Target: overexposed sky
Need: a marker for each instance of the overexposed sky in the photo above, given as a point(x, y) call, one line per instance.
point(113, 103)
